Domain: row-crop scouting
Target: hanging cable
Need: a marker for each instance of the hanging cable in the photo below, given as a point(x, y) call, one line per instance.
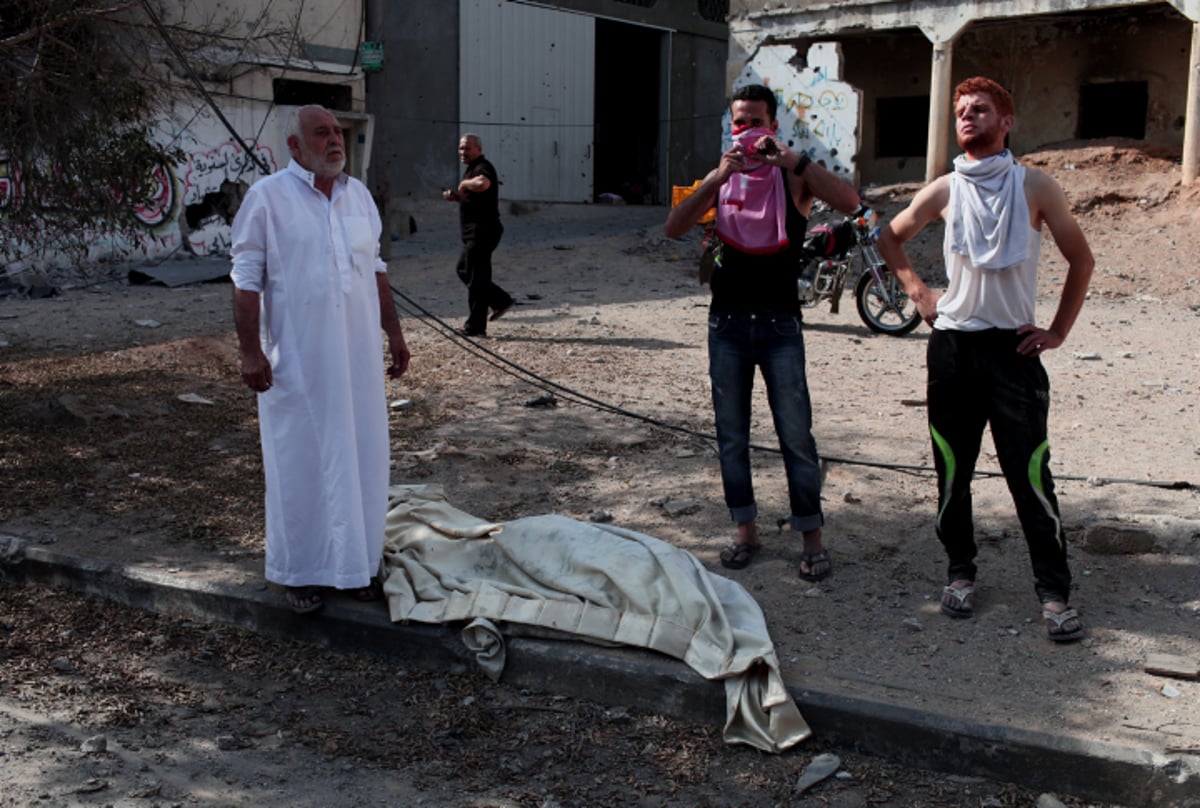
point(236, 60)
point(166, 36)
point(287, 60)
point(507, 366)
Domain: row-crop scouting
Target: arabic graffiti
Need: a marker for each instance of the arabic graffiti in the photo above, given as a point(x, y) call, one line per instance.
point(158, 205)
point(214, 183)
point(228, 162)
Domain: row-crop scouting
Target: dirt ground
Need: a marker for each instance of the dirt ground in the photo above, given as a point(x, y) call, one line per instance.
point(127, 436)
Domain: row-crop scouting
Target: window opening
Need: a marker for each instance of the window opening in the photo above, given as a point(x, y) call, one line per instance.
point(1113, 109)
point(902, 126)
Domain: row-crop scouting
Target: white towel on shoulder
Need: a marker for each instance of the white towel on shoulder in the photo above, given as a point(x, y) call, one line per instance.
point(988, 216)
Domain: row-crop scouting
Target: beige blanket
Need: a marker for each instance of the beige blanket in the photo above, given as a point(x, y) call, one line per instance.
point(591, 581)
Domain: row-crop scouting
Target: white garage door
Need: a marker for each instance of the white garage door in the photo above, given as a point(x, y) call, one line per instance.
point(527, 86)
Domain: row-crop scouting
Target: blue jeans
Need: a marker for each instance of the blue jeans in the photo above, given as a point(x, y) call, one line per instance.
point(737, 344)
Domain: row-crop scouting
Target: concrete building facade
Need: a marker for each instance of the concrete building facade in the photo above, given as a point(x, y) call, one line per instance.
point(575, 100)
point(1086, 69)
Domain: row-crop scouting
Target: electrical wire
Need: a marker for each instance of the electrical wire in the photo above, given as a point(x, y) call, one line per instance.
point(166, 37)
point(507, 366)
point(236, 60)
point(715, 116)
point(287, 59)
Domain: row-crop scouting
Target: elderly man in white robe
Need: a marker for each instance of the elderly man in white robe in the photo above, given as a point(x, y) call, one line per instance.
point(311, 300)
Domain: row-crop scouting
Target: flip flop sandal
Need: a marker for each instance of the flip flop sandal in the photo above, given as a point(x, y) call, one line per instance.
point(738, 556)
point(958, 603)
point(1054, 625)
point(812, 560)
point(304, 599)
point(367, 594)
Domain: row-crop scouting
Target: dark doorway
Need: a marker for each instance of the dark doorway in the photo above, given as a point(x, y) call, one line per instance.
point(902, 126)
point(627, 125)
point(1113, 109)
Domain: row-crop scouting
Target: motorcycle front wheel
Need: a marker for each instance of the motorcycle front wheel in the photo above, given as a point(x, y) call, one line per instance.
point(886, 308)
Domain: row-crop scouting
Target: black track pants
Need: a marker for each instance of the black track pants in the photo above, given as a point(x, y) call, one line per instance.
point(977, 378)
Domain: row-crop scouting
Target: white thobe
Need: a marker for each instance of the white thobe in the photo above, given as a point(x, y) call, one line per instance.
point(323, 422)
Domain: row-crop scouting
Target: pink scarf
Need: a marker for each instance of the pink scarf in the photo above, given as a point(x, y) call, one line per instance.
point(752, 205)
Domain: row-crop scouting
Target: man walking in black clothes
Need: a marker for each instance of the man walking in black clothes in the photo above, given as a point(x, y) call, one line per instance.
point(478, 195)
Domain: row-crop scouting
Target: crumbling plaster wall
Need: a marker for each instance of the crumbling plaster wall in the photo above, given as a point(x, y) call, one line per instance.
point(1045, 65)
point(888, 66)
point(1044, 60)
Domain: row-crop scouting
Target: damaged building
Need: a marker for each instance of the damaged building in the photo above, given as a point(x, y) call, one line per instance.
point(866, 85)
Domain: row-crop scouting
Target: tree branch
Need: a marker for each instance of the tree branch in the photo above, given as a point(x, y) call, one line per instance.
point(73, 16)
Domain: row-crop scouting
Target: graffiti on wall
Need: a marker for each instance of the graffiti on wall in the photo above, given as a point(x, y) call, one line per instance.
point(189, 205)
point(160, 204)
point(214, 182)
point(7, 179)
point(819, 114)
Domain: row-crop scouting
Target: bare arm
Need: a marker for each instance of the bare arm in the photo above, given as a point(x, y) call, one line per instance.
point(391, 326)
point(819, 182)
point(814, 181)
point(929, 204)
point(690, 210)
point(474, 184)
point(256, 369)
point(1050, 205)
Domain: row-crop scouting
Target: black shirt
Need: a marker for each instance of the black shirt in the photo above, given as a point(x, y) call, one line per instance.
point(751, 283)
point(480, 208)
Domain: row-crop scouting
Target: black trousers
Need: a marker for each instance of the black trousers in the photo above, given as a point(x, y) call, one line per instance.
point(475, 270)
point(977, 378)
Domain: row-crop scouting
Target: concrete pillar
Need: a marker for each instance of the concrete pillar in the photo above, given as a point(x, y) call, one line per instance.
point(939, 108)
point(1191, 123)
point(943, 31)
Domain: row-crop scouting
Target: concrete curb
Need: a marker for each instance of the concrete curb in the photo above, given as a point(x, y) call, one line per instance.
point(645, 680)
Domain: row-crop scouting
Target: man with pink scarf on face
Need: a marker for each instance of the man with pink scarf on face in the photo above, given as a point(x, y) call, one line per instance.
point(764, 193)
point(984, 356)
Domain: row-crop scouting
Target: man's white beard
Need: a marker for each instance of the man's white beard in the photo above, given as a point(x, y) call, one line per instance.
point(320, 166)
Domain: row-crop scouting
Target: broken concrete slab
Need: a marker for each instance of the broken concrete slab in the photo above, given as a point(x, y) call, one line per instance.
point(1172, 665)
point(181, 273)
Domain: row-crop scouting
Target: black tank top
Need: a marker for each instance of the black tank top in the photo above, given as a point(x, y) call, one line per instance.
point(752, 283)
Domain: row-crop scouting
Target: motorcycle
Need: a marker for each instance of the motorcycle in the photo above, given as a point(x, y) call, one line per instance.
point(834, 254)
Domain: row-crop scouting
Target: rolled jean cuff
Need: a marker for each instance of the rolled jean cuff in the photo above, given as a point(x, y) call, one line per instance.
point(806, 523)
point(744, 513)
